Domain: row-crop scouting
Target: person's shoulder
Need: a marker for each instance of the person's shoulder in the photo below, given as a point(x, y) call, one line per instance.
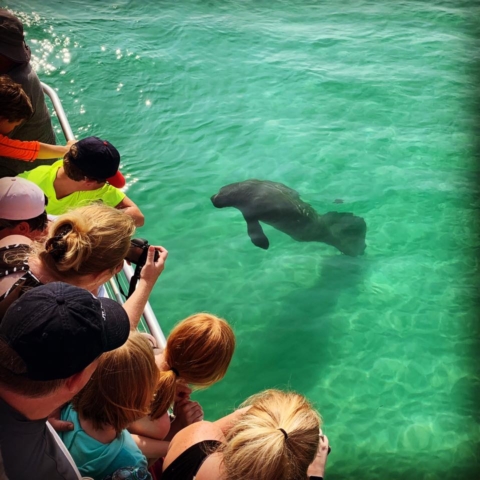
point(15, 240)
point(23, 73)
point(111, 195)
point(198, 432)
point(192, 434)
point(41, 170)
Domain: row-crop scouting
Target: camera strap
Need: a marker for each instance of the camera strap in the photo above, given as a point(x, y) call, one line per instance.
point(134, 280)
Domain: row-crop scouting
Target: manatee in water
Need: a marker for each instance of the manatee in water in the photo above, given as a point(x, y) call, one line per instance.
point(279, 206)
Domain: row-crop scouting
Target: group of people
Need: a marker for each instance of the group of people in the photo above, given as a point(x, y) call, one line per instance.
point(83, 393)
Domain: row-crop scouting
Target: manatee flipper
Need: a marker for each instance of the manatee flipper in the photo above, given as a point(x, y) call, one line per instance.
point(255, 232)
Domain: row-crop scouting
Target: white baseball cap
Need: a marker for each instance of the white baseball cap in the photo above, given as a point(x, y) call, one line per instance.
point(20, 199)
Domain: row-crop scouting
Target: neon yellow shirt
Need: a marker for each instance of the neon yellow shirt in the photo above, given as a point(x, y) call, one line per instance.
point(44, 177)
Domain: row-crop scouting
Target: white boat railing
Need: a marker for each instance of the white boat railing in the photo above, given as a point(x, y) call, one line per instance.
point(149, 321)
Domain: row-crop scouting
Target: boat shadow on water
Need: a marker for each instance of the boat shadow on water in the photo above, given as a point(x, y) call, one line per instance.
point(307, 323)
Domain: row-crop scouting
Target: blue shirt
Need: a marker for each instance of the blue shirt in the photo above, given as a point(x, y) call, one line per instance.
point(96, 459)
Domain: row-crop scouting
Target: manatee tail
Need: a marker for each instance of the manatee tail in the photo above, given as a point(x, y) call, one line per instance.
point(346, 232)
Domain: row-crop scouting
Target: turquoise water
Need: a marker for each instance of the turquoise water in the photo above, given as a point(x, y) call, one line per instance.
point(368, 102)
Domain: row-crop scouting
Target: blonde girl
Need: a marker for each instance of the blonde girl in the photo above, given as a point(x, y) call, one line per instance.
point(120, 392)
point(274, 436)
point(84, 247)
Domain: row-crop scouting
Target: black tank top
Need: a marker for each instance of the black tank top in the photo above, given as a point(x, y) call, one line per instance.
point(186, 465)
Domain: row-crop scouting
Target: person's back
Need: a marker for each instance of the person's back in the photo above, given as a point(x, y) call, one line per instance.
point(95, 458)
point(14, 60)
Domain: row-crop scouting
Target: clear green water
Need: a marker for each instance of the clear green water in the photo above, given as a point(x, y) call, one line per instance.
point(367, 101)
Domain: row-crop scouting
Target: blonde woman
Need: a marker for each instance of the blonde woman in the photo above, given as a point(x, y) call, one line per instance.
point(84, 247)
point(198, 352)
point(275, 436)
point(120, 392)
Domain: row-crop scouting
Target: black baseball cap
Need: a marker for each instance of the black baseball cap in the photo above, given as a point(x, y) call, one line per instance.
point(97, 158)
point(58, 329)
point(12, 42)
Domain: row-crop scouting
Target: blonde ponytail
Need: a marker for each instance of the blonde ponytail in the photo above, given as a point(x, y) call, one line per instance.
point(276, 439)
point(86, 240)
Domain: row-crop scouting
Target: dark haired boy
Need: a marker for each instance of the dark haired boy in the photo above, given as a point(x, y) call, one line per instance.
point(88, 173)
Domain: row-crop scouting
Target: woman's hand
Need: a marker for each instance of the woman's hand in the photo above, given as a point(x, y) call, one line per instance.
point(317, 467)
point(152, 269)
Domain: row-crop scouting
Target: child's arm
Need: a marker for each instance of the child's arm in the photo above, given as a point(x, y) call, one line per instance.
point(30, 151)
point(149, 434)
point(131, 209)
point(151, 447)
point(51, 151)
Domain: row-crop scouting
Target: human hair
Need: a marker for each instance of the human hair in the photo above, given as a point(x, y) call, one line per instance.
point(72, 171)
point(86, 240)
point(37, 223)
point(14, 102)
point(256, 446)
point(122, 387)
point(13, 376)
point(198, 351)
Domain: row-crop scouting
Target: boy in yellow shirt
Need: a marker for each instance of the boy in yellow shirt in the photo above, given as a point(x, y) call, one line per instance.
point(88, 173)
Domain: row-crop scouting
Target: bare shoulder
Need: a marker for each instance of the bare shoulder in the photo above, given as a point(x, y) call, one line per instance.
point(14, 239)
point(194, 433)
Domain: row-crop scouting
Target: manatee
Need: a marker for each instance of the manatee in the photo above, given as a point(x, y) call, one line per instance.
point(281, 207)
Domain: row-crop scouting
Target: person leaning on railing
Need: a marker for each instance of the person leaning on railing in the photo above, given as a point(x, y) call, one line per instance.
point(88, 173)
point(15, 61)
point(85, 247)
point(16, 109)
point(197, 355)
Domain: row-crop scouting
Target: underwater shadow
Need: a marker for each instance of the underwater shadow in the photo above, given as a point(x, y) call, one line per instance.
point(310, 350)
